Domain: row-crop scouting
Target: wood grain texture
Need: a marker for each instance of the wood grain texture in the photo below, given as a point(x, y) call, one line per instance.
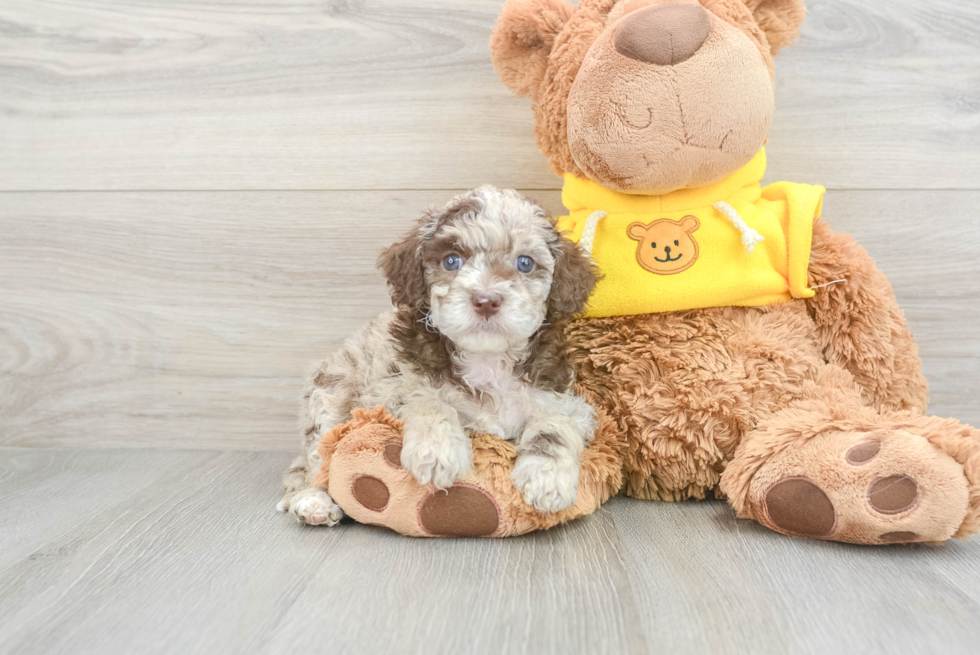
point(161, 334)
point(164, 552)
point(389, 94)
point(189, 319)
point(143, 552)
point(706, 582)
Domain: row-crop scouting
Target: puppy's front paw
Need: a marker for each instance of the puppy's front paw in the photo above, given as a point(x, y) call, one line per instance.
point(549, 484)
point(315, 507)
point(439, 455)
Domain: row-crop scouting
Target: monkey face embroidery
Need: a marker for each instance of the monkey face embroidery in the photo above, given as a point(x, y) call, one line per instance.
point(666, 247)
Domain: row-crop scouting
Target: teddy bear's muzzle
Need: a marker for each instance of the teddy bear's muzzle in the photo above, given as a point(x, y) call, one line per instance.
point(663, 34)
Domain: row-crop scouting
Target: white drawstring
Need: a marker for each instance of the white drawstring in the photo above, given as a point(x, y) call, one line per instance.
point(588, 234)
point(749, 236)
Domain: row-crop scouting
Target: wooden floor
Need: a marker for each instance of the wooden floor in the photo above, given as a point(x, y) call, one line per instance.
point(192, 195)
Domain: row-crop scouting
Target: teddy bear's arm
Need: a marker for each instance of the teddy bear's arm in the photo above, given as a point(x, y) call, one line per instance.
point(860, 325)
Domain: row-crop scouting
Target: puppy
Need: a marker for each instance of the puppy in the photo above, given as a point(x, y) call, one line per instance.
point(482, 289)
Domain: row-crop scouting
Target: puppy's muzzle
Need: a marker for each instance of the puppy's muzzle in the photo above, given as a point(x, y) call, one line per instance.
point(487, 304)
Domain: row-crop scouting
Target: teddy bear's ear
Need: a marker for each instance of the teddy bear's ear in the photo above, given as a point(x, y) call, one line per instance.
point(521, 43)
point(690, 223)
point(637, 231)
point(779, 19)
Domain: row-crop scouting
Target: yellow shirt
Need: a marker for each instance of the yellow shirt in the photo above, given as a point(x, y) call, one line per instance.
point(678, 251)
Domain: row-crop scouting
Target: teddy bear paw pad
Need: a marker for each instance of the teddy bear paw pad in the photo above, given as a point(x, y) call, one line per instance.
point(459, 511)
point(894, 494)
point(370, 492)
point(367, 479)
point(797, 505)
point(883, 487)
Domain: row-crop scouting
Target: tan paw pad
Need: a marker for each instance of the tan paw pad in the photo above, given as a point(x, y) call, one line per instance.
point(886, 486)
point(393, 453)
point(460, 511)
point(863, 453)
point(800, 507)
point(368, 480)
point(370, 492)
point(894, 494)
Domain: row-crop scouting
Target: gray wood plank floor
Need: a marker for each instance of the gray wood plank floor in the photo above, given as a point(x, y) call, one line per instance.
point(192, 196)
point(167, 551)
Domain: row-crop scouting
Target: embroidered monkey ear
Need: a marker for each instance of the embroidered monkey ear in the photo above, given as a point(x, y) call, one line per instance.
point(637, 231)
point(690, 223)
point(779, 19)
point(521, 43)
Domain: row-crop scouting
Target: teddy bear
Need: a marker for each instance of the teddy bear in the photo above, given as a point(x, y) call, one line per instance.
point(737, 347)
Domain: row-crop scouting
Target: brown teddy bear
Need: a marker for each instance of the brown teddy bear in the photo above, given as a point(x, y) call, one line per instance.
point(801, 403)
point(736, 347)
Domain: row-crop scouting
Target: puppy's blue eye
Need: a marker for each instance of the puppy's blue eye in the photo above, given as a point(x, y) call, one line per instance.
point(524, 264)
point(452, 262)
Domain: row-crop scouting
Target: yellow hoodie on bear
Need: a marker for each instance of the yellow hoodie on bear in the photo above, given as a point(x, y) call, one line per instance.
point(730, 243)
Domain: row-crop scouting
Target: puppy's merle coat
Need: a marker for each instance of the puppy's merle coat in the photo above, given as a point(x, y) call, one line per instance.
point(482, 289)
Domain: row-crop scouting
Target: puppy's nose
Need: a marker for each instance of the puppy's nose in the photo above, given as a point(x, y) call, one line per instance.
point(487, 303)
point(664, 34)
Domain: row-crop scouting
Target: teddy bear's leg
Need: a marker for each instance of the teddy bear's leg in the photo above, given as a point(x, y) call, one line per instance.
point(684, 387)
point(831, 468)
point(363, 473)
point(860, 326)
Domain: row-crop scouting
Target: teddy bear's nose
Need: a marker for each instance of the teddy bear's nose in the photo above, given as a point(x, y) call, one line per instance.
point(664, 34)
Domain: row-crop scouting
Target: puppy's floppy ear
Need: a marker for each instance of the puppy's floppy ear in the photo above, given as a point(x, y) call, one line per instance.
point(779, 19)
point(521, 43)
point(404, 269)
point(572, 282)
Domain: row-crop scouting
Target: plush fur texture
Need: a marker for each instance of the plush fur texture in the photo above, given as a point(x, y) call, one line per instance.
point(483, 289)
point(363, 448)
point(522, 42)
point(762, 405)
point(644, 128)
point(673, 126)
point(808, 416)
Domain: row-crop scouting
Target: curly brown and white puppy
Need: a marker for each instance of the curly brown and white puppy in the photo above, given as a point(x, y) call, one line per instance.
point(482, 289)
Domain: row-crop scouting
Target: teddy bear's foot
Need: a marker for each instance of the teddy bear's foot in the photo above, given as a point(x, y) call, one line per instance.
point(382, 492)
point(865, 487)
point(365, 477)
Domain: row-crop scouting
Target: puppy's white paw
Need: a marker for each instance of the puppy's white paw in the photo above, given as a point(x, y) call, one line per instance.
point(549, 484)
point(438, 455)
point(314, 507)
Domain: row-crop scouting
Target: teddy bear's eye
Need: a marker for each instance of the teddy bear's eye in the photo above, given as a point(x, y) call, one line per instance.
point(654, 244)
point(676, 242)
